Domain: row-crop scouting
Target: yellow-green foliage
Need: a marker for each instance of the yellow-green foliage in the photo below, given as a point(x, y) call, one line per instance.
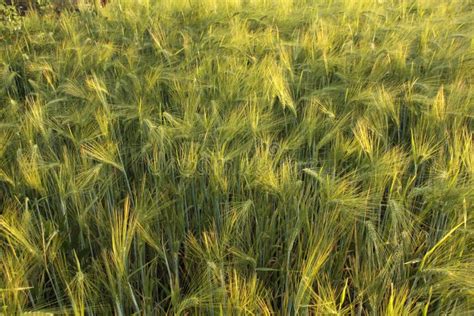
point(238, 157)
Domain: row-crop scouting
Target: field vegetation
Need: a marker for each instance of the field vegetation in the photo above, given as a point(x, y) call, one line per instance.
point(238, 157)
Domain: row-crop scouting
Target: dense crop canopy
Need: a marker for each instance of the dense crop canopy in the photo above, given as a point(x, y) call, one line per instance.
point(239, 157)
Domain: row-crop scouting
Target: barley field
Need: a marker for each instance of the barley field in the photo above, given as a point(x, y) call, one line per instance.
point(238, 157)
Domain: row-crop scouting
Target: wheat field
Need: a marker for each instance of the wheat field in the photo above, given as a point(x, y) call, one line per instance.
point(238, 157)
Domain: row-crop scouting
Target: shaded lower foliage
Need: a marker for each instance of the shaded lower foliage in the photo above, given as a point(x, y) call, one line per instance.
point(22, 6)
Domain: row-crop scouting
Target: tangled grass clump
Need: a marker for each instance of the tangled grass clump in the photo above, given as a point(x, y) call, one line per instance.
point(239, 157)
